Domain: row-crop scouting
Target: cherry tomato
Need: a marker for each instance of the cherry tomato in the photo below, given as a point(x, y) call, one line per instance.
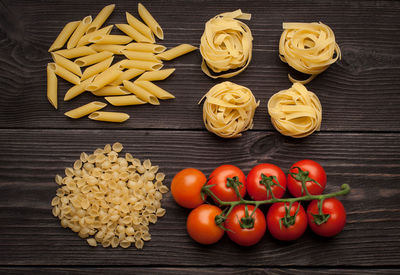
point(334, 223)
point(186, 187)
point(259, 191)
point(311, 170)
point(236, 220)
point(219, 178)
point(201, 224)
point(294, 226)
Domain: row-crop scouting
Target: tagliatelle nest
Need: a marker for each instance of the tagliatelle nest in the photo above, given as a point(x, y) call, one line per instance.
point(295, 112)
point(226, 44)
point(309, 48)
point(229, 109)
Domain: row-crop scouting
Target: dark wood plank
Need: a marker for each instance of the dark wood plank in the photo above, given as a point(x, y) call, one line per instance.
point(30, 235)
point(359, 93)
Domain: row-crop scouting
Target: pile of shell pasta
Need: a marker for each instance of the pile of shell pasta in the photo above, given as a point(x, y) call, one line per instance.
point(101, 77)
point(110, 199)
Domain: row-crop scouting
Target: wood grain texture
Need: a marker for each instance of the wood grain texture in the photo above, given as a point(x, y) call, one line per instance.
point(30, 235)
point(359, 93)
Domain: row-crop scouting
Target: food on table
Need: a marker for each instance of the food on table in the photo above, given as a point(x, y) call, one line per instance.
point(309, 48)
point(229, 109)
point(295, 112)
point(226, 44)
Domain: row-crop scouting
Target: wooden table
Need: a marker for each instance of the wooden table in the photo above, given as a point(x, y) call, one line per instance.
point(359, 142)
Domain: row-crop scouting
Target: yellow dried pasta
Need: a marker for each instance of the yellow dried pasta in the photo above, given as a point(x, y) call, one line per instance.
point(295, 112)
point(309, 48)
point(229, 109)
point(226, 44)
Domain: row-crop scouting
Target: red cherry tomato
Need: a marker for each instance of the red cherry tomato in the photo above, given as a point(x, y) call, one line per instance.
point(294, 226)
point(259, 191)
point(186, 187)
point(310, 169)
point(334, 223)
point(201, 224)
point(245, 236)
point(219, 178)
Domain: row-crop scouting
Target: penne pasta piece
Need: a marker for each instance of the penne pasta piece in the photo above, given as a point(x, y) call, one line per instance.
point(63, 36)
point(67, 64)
point(85, 109)
point(176, 51)
point(111, 91)
point(103, 79)
point(145, 47)
point(79, 32)
point(127, 75)
point(154, 89)
point(133, 33)
point(85, 39)
point(150, 21)
point(78, 89)
point(76, 52)
point(64, 73)
point(110, 39)
point(139, 26)
point(109, 116)
point(93, 58)
point(52, 86)
point(141, 93)
point(140, 64)
point(132, 55)
point(115, 49)
point(97, 68)
point(118, 66)
point(156, 75)
point(124, 100)
point(101, 18)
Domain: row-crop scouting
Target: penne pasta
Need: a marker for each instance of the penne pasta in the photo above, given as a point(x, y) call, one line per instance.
point(145, 47)
point(115, 49)
point(79, 32)
point(63, 36)
point(85, 109)
point(139, 26)
point(78, 89)
point(93, 58)
point(141, 93)
point(97, 68)
point(133, 33)
point(76, 52)
point(150, 21)
point(140, 64)
point(132, 55)
point(67, 64)
point(156, 75)
point(101, 18)
point(52, 86)
point(154, 89)
point(110, 39)
point(176, 51)
point(127, 75)
point(85, 39)
point(109, 116)
point(64, 73)
point(103, 79)
point(111, 91)
point(124, 100)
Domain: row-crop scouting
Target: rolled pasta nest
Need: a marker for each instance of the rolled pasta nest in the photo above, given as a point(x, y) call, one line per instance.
point(295, 112)
point(309, 48)
point(229, 109)
point(226, 44)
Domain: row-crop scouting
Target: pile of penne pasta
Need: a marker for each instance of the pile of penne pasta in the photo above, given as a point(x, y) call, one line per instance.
point(93, 47)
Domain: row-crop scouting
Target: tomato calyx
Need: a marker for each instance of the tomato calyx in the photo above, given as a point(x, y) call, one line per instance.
point(235, 184)
point(268, 182)
point(247, 222)
point(289, 220)
point(205, 190)
point(302, 176)
point(320, 218)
